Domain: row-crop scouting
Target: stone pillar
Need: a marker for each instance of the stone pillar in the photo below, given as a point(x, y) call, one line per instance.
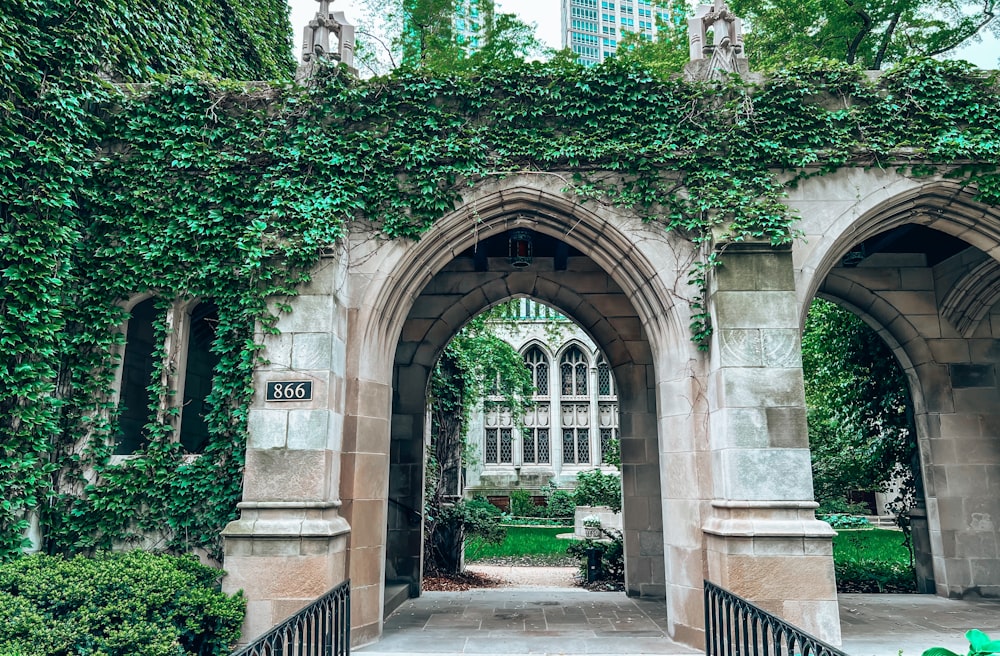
point(960, 446)
point(289, 545)
point(642, 515)
point(762, 538)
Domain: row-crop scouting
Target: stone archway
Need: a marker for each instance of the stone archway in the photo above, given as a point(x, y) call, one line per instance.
point(597, 303)
point(918, 262)
point(717, 478)
point(601, 288)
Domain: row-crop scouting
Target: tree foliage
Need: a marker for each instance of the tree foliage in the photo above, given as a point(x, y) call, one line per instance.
point(869, 33)
point(857, 396)
point(424, 34)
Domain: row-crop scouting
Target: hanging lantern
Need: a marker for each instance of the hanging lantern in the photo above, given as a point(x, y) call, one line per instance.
point(521, 248)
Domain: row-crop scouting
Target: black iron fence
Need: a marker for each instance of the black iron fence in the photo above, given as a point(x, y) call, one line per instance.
point(323, 628)
point(735, 627)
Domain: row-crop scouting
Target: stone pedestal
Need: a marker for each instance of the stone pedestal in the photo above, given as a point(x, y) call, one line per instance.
point(778, 555)
point(283, 555)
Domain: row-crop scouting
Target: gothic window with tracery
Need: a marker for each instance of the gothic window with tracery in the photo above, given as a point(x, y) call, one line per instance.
point(535, 436)
point(538, 363)
point(576, 433)
point(605, 381)
point(498, 443)
point(607, 418)
point(573, 372)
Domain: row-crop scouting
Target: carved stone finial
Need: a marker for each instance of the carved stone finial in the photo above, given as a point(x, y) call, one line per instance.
point(725, 54)
point(317, 32)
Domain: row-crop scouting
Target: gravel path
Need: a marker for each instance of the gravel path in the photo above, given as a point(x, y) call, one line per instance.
point(528, 577)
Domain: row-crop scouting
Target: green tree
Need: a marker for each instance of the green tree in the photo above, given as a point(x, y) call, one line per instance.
point(423, 34)
point(477, 363)
point(870, 33)
point(668, 54)
point(860, 422)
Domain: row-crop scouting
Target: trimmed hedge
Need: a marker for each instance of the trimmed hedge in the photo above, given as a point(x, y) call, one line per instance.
point(115, 604)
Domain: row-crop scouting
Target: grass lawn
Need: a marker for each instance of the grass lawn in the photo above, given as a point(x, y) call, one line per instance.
point(874, 560)
point(535, 542)
point(871, 544)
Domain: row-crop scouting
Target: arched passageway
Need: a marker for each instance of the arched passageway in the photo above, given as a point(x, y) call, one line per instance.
point(918, 263)
point(480, 277)
point(715, 457)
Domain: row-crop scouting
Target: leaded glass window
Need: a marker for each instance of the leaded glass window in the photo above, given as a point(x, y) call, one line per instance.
point(535, 436)
point(605, 383)
point(576, 433)
point(607, 418)
point(573, 373)
point(490, 448)
point(539, 365)
point(498, 437)
point(506, 446)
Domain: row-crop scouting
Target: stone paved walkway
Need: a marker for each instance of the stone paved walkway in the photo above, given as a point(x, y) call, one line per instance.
point(566, 621)
point(526, 621)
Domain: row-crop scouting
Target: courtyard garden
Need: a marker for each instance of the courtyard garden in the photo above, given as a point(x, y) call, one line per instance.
point(866, 559)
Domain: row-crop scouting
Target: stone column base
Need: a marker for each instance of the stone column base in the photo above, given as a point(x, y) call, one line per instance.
point(779, 556)
point(283, 555)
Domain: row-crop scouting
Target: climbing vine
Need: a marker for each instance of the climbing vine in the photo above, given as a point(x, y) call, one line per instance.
point(191, 187)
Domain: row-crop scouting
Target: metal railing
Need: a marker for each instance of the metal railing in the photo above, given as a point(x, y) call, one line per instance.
point(736, 627)
point(323, 628)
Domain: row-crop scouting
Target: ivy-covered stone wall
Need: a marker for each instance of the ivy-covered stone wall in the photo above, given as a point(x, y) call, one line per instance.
point(192, 187)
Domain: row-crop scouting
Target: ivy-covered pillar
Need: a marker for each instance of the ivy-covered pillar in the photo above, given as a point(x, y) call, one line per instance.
point(762, 538)
point(289, 545)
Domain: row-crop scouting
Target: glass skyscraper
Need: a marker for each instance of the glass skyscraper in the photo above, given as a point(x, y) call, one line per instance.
point(594, 28)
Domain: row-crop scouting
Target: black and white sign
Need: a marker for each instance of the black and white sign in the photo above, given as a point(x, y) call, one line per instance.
point(289, 390)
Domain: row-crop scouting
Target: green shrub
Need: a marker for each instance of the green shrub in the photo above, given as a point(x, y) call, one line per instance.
point(522, 504)
point(123, 604)
point(846, 521)
point(560, 504)
point(595, 488)
point(612, 551)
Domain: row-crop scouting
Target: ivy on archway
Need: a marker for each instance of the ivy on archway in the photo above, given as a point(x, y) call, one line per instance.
point(192, 187)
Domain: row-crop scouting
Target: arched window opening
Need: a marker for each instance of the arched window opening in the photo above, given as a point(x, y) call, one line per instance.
point(137, 376)
point(539, 365)
point(573, 369)
point(201, 363)
point(535, 446)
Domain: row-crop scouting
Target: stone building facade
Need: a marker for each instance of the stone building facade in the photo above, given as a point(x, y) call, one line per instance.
point(571, 425)
point(715, 458)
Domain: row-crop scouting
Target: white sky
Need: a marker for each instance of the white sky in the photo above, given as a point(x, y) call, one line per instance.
point(545, 15)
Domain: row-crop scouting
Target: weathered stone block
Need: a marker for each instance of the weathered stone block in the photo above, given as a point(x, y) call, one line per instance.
point(285, 475)
point(745, 387)
point(267, 428)
point(765, 309)
point(310, 314)
point(312, 351)
point(308, 429)
point(766, 474)
point(787, 427)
